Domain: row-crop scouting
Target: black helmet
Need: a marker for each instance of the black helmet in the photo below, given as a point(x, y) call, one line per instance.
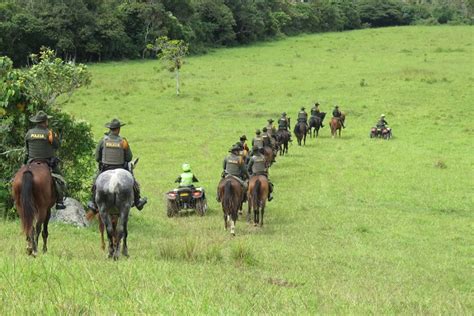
point(258, 132)
point(264, 129)
point(302, 108)
point(243, 137)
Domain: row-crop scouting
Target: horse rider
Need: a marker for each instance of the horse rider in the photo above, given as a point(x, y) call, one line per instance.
point(113, 152)
point(284, 125)
point(303, 116)
point(187, 178)
point(315, 111)
point(258, 166)
point(338, 114)
point(270, 128)
point(234, 166)
point(244, 149)
point(382, 122)
point(41, 145)
point(257, 141)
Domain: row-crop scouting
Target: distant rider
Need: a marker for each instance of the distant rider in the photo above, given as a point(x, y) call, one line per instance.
point(284, 125)
point(315, 112)
point(338, 114)
point(258, 166)
point(234, 166)
point(187, 178)
point(303, 116)
point(41, 145)
point(113, 152)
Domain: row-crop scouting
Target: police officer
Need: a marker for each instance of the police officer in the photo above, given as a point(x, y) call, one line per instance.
point(41, 145)
point(315, 111)
point(270, 128)
point(233, 165)
point(114, 152)
point(266, 138)
point(187, 178)
point(258, 166)
point(338, 114)
point(284, 125)
point(303, 116)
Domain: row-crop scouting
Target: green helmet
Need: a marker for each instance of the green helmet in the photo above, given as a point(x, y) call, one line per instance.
point(186, 167)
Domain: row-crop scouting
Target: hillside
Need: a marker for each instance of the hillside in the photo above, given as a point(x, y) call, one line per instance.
point(357, 225)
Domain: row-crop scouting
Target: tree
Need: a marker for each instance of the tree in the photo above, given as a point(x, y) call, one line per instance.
point(172, 52)
point(25, 91)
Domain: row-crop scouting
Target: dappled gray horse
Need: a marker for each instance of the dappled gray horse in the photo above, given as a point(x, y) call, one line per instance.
point(114, 198)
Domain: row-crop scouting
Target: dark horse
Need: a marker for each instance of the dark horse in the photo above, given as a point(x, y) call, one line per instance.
point(231, 194)
point(34, 195)
point(257, 193)
point(315, 123)
point(336, 125)
point(114, 198)
point(301, 129)
point(283, 137)
point(268, 154)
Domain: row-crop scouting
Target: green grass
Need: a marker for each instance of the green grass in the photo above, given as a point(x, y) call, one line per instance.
point(357, 225)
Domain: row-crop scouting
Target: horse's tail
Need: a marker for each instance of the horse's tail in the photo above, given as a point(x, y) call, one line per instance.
point(227, 200)
point(27, 203)
point(256, 194)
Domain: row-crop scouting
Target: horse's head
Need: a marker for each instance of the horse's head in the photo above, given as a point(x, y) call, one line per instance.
point(131, 165)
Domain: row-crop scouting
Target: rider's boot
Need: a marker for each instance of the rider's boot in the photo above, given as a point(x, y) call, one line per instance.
point(91, 204)
point(139, 202)
point(59, 195)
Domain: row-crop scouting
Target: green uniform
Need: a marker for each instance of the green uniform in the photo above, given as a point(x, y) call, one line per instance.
point(315, 111)
point(234, 165)
point(257, 141)
point(41, 144)
point(257, 164)
point(381, 123)
point(302, 116)
point(283, 123)
point(113, 151)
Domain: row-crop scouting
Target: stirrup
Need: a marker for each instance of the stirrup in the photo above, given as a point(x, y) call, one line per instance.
point(91, 206)
point(60, 206)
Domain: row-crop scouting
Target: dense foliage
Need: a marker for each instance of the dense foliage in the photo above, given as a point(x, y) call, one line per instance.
point(23, 93)
point(95, 30)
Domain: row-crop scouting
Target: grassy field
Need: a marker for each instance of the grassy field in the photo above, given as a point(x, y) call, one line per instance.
point(357, 225)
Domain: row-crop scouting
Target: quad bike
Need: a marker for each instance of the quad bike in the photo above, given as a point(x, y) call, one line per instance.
point(378, 132)
point(188, 198)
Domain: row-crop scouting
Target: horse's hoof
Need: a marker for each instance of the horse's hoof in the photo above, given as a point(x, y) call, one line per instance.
point(34, 254)
point(255, 224)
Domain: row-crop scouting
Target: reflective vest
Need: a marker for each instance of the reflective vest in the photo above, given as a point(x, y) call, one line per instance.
point(258, 165)
point(257, 141)
point(266, 140)
point(113, 152)
point(40, 143)
point(186, 179)
point(233, 164)
point(302, 116)
point(283, 123)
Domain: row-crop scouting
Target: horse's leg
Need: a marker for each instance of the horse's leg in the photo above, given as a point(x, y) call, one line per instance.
point(109, 227)
point(101, 229)
point(45, 231)
point(262, 210)
point(255, 214)
point(233, 218)
point(120, 230)
point(249, 207)
point(125, 235)
point(37, 231)
point(225, 219)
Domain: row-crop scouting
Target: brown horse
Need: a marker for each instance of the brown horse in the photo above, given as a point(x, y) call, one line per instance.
point(301, 129)
point(258, 194)
point(34, 195)
point(268, 154)
point(336, 125)
point(284, 138)
point(231, 193)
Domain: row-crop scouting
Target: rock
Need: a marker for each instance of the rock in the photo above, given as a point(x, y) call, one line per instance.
point(73, 214)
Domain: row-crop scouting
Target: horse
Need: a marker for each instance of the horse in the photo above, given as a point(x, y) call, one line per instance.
point(336, 125)
point(34, 195)
point(258, 194)
point(231, 193)
point(316, 122)
point(301, 129)
point(268, 154)
point(114, 198)
point(284, 137)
